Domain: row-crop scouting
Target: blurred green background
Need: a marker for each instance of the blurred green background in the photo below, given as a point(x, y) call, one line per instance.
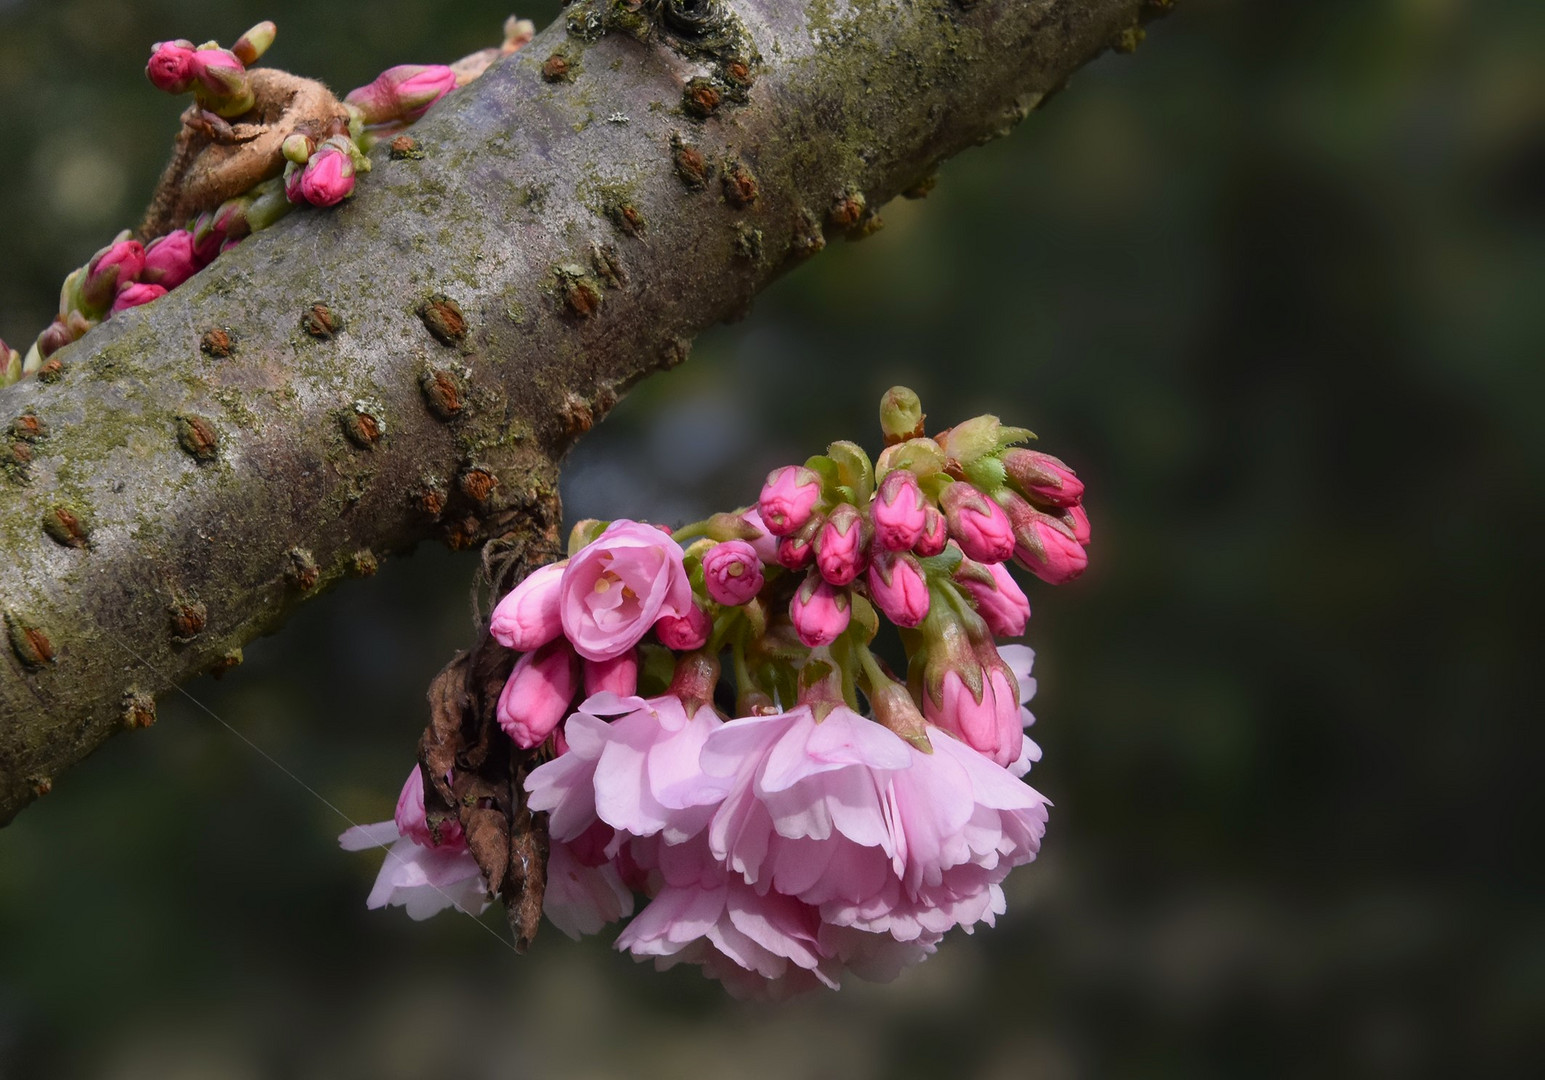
point(1274, 285)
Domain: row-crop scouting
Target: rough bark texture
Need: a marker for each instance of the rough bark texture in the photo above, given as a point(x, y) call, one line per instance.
point(563, 228)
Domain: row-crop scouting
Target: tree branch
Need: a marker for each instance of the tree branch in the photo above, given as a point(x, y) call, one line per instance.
point(567, 228)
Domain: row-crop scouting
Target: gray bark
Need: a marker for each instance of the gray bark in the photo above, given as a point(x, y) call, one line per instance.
point(585, 228)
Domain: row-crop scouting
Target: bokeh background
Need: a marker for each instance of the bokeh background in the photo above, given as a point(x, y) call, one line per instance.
point(1274, 284)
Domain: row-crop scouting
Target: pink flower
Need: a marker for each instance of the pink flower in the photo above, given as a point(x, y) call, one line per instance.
point(684, 633)
point(977, 523)
point(619, 675)
point(845, 816)
point(583, 894)
point(638, 774)
point(171, 66)
point(1049, 550)
point(402, 93)
point(538, 693)
point(1077, 519)
point(1002, 604)
point(789, 498)
point(1044, 478)
point(820, 611)
point(987, 720)
point(732, 572)
point(757, 946)
point(617, 587)
point(899, 511)
point(413, 822)
point(765, 545)
point(327, 177)
point(1020, 659)
point(841, 547)
point(135, 295)
point(169, 260)
point(528, 616)
point(935, 535)
point(113, 268)
point(419, 875)
point(798, 551)
point(898, 588)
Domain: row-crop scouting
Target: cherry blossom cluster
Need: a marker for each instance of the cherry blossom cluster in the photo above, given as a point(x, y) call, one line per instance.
point(317, 168)
point(724, 753)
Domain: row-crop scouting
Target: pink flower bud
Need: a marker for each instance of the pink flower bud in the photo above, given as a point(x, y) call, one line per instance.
point(206, 239)
point(989, 723)
point(220, 82)
point(402, 93)
point(684, 632)
point(171, 66)
point(1077, 519)
point(136, 294)
point(169, 260)
point(55, 337)
point(1044, 478)
point(788, 499)
point(798, 551)
point(765, 545)
point(413, 822)
point(111, 269)
point(1002, 604)
point(841, 547)
point(328, 176)
point(898, 588)
point(732, 572)
point(538, 693)
point(978, 524)
point(899, 511)
point(820, 611)
point(1050, 551)
point(619, 675)
point(531, 614)
point(935, 535)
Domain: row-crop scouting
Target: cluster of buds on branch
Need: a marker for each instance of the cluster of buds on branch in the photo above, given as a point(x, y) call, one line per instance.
point(718, 733)
point(319, 166)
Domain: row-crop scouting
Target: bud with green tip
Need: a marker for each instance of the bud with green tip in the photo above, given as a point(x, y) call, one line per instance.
point(298, 147)
point(255, 42)
point(901, 415)
point(10, 364)
point(221, 83)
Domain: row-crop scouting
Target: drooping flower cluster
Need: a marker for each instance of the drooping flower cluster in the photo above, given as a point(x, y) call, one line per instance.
point(834, 819)
point(318, 166)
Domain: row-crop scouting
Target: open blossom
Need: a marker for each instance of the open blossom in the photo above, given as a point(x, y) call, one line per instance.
point(420, 875)
point(616, 587)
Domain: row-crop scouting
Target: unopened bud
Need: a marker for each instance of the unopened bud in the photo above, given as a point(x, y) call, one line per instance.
point(901, 415)
point(170, 260)
point(842, 545)
point(685, 632)
point(221, 83)
point(114, 267)
point(328, 177)
point(899, 511)
point(171, 66)
point(788, 498)
point(819, 611)
point(798, 551)
point(254, 43)
point(1045, 479)
point(935, 534)
point(898, 587)
point(978, 524)
point(135, 295)
point(732, 572)
point(298, 147)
